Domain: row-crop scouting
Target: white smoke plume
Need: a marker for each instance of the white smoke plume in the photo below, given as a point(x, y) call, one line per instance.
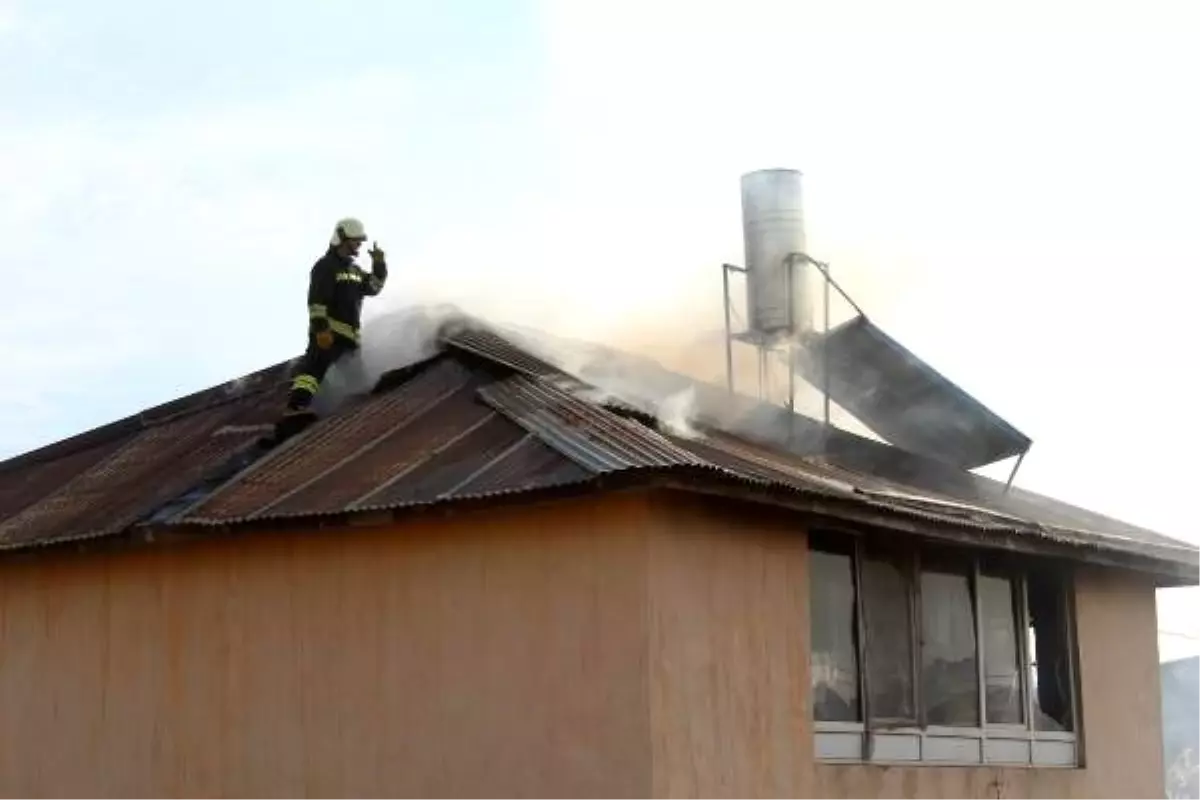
point(391, 341)
point(677, 413)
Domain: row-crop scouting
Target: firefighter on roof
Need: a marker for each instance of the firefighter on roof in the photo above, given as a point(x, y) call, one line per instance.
point(336, 290)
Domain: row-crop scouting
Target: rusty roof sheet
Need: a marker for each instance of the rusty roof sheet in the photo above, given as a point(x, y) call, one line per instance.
point(811, 474)
point(129, 479)
point(331, 447)
point(20, 488)
point(380, 461)
point(808, 474)
point(431, 438)
point(450, 465)
point(589, 435)
point(453, 427)
point(484, 342)
point(530, 463)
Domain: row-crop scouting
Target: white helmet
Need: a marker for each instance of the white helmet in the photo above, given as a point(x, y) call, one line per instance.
point(348, 228)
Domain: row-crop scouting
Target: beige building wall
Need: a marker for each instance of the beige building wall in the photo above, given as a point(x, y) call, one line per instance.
point(728, 594)
point(625, 645)
point(486, 654)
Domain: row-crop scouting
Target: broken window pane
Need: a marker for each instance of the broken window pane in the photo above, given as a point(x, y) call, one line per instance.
point(885, 588)
point(834, 658)
point(949, 668)
point(1050, 674)
point(1002, 672)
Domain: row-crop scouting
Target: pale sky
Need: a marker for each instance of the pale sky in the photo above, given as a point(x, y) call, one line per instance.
point(1009, 189)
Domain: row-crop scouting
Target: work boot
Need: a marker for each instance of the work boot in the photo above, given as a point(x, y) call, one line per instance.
point(294, 421)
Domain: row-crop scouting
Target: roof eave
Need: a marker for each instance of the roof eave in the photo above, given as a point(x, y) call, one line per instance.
point(1167, 572)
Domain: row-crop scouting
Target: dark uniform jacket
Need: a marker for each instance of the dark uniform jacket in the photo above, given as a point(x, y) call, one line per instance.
point(336, 289)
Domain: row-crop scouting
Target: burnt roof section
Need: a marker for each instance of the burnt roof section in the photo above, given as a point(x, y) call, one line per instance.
point(495, 347)
point(463, 426)
point(589, 435)
point(431, 439)
point(906, 401)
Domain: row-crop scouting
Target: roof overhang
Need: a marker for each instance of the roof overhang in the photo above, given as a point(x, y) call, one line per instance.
point(815, 506)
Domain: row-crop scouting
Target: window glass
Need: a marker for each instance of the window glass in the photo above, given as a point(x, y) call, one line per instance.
point(1049, 674)
point(1002, 673)
point(834, 660)
point(889, 645)
point(925, 620)
point(949, 667)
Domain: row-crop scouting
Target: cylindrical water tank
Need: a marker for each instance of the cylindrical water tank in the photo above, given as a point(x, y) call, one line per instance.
point(773, 226)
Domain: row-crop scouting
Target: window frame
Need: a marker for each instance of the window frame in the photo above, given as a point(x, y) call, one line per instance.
point(988, 744)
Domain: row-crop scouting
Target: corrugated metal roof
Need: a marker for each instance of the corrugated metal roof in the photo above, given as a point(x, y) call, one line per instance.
point(906, 401)
point(807, 475)
point(453, 428)
point(494, 347)
point(587, 434)
point(890, 468)
point(139, 474)
point(385, 458)
point(748, 460)
point(814, 474)
point(21, 487)
point(330, 450)
point(449, 465)
point(531, 463)
point(431, 438)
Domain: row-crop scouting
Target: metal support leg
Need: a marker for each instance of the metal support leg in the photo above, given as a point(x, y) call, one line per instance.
point(825, 348)
point(728, 331)
point(791, 389)
point(1016, 467)
point(762, 373)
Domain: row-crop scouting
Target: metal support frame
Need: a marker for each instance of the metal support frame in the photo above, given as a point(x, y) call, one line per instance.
point(792, 262)
point(1016, 466)
point(762, 347)
point(725, 268)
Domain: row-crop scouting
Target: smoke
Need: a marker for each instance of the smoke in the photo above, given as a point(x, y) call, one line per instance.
point(615, 303)
point(401, 337)
point(677, 412)
point(391, 341)
point(671, 366)
point(621, 377)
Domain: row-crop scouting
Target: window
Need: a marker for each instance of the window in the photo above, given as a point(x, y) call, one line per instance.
point(834, 664)
point(939, 656)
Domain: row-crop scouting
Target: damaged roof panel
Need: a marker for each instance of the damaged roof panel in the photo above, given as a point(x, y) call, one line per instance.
point(332, 443)
point(906, 401)
point(586, 433)
point(496, 348)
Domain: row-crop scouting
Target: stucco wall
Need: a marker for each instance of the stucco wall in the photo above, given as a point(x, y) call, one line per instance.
point(616, 646)
point(728, 653)
point(497, 654)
